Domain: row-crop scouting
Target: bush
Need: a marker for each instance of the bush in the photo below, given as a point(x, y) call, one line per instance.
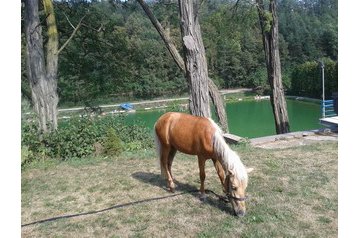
point(258, 80)
point(78, 138)
point(31, 145)
point(307, 79)
point(112, 143)
point(26, 155)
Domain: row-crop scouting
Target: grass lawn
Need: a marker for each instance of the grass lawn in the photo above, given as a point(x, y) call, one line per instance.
point(293, 193)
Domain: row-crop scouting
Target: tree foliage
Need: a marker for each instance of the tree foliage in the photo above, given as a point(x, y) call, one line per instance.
point(307, 79)
point(79, 138)
point(117, 53)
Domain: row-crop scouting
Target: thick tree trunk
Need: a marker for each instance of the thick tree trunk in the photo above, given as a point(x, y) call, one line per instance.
point(195, 61)
point(219, 105)
point(52, 62)
point(269, 27)
point(213, 90)
point(42, 76)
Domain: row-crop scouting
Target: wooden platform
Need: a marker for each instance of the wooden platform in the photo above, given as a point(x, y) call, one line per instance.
point(232, 139)
point(330, 122)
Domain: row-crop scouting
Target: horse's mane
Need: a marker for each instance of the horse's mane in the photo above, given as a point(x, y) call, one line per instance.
point(229, 159)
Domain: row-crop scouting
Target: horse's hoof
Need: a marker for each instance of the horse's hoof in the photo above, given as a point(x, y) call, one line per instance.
point(172, 190)
point(224, 199)
point(202, 197)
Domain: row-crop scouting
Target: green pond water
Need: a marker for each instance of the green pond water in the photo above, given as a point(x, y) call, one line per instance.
point(251, 118)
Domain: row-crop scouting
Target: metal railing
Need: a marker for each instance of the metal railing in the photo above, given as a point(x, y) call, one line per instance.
point(327, 108)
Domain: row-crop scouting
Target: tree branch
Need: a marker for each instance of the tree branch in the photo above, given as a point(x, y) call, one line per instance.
point(73, 33)
point(93, 29)
point(168, 43)
point(69, 21)
point(213, 90)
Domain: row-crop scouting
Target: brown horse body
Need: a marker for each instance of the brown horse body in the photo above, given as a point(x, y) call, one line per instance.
point(202, 137)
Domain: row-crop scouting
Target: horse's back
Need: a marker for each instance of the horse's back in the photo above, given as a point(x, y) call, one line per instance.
point(186, 133)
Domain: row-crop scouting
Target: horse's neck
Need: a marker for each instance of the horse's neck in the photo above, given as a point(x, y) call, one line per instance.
point(230, 160)
point(224, 160)
point(227, 157)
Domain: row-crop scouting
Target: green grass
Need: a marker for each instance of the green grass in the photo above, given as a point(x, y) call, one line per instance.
point(293, 193)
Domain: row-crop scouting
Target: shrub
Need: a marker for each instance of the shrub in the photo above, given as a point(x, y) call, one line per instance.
point(31, 141)
point(112, 143)
point(78, 138)
point(307, 79)
point(259, 81)
point(26, 155)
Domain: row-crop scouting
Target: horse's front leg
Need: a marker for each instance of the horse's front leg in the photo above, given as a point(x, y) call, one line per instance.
point(221, 173)
point(202, 177)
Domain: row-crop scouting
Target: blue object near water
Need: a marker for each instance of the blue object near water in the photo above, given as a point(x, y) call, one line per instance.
point(328, 108)
point(126, 106)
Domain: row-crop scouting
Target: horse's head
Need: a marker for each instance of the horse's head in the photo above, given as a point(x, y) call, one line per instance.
point(235, 191)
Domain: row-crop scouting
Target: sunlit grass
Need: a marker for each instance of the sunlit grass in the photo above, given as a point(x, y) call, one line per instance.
point(293, 193)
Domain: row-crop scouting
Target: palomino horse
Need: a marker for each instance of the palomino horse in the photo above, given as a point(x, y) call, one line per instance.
point(202, 137)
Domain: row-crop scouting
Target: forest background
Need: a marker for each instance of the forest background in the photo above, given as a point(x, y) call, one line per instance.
point(118, 55)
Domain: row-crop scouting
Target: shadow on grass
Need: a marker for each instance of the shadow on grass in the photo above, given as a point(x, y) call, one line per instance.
point(103, 210)
point(154, 180)
point(183, 188)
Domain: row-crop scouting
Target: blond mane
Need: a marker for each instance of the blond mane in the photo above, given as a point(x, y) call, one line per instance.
point(229, 159)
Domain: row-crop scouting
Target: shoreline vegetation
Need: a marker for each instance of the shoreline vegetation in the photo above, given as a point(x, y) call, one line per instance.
point(231, 95)
point(79, 136)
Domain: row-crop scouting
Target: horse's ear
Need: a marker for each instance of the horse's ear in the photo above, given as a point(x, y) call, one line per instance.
point(249, 170)
point(230, 172)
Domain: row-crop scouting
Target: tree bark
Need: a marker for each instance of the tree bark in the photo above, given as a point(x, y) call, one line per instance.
point(195, 61)
point(219, 105)
point(213, 90)
point(42, 74)
point(269, 27)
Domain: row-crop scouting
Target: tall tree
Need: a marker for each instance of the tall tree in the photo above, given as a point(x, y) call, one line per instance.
point(194, 58)
point(269, 27)
point(42, 73)
point(213, 90)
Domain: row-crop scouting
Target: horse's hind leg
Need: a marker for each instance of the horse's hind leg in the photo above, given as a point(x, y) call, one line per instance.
point(164, 160)
point(170, 160)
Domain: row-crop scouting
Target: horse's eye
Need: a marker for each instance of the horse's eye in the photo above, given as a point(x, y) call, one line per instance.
point(234, 188)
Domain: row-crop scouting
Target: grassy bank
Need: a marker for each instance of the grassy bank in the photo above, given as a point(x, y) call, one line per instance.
point(293, 193)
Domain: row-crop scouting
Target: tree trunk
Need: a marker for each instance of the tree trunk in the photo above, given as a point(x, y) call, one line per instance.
point(213, 90)
point(195, 61)
point(42, 75)
point(219, 105)
point(269, 28)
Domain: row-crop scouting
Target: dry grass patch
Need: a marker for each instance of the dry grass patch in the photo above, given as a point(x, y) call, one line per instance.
point(293, 193)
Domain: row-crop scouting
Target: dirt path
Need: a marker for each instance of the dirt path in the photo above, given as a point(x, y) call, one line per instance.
point(293, 139)
point(223, 92)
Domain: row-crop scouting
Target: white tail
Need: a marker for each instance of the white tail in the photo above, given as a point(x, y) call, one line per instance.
point(158, 146)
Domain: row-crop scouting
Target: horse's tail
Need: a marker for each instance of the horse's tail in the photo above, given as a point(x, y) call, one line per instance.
point(158, 146)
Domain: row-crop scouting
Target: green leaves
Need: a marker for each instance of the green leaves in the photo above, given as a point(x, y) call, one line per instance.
point(112, 143)
point(307, 79)
point(78, 138)
point(117, 54)
point(267, 18)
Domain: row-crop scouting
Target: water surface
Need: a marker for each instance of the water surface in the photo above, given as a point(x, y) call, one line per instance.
point(251, 118)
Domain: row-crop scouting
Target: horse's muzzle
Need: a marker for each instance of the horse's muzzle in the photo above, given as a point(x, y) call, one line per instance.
point(240, 213)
